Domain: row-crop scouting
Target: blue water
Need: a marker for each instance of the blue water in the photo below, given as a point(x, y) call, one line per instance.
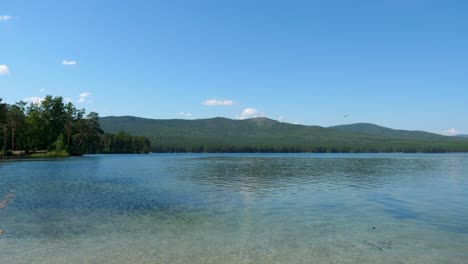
point(236, 208)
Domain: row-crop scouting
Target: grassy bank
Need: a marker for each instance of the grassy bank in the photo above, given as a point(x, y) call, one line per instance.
point(50, 154)
point(42, 155)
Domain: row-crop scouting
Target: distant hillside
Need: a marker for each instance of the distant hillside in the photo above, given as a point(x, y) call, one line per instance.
point(461, 136)
point(266, 135)
point(390, 133)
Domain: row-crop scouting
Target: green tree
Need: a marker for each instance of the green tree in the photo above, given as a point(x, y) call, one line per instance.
point(89, 130)
point(71, 116)
point(35, 127)
point(15, 121)
point(3, 111)
point(60, 144)
point(3, 124)
point(54, 114)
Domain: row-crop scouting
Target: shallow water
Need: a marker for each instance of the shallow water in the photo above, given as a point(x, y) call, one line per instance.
point(236, 208)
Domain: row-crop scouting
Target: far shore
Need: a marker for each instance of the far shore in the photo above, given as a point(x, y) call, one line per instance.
point(23, 155)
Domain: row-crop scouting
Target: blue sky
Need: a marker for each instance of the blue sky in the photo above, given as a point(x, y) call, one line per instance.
point(402, 64)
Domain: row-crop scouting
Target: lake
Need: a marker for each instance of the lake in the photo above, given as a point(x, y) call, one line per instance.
point(236, 208)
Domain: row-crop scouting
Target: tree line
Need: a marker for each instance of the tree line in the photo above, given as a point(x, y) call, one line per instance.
point(331, 148)
point(171, 145)
point(53, 125)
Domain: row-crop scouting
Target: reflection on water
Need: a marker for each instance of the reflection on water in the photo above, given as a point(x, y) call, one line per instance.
point(265, 208)
point(271, 173)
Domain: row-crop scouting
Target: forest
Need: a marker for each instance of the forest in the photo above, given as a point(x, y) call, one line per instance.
point(267, 135)
point(54, 127)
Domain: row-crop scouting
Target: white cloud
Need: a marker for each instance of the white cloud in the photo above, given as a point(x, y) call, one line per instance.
point(33, 100)
point(452, 131)
point(84, 97)
point(4, 70)
point(218, 102)
point(38, 100)
point(186, 114)
point(69, 62)
point(281, 118)
point(250, 113)
point(42, 90)
point(5, 18)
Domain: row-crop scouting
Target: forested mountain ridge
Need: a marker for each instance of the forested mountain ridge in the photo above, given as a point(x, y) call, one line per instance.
point(389, 132)
point(267, 135)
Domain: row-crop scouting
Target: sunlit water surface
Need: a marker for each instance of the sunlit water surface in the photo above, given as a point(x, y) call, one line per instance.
point(236, 208)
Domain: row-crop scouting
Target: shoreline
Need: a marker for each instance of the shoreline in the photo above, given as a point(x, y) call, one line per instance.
point(42, 157)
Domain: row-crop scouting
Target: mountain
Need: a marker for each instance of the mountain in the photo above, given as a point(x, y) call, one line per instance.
point(461, 136)
point(389, 133)
point(267, 135)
